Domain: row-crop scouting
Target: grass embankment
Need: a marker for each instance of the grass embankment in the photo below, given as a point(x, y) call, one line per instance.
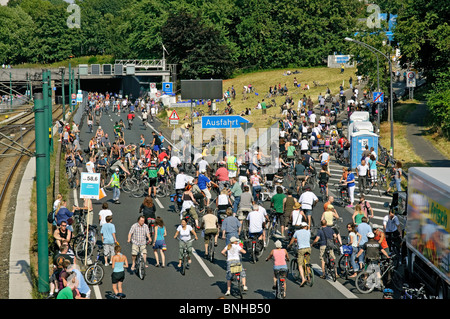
point(261, 81)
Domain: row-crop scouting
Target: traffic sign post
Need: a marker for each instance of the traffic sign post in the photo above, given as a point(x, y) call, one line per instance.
point(378, 97)
point(174, 118)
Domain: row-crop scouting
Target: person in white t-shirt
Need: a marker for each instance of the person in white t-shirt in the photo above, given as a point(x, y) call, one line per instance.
point(312, 118)
point(308, 199)
point(105, 211)
point(255, 219)
point(174, 162)
point(90, 166)
point(361, 172)
point(202, 165)
point(233, 253)
point(304, 145)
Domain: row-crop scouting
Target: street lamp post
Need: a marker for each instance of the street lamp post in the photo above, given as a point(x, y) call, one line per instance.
point(391, 108)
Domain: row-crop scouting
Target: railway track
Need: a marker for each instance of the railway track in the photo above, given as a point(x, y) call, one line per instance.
point(16, 150)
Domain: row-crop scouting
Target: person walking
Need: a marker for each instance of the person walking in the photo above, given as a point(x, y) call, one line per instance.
point(115, 183)
point(108, 232)
point(159, 242)
point(119, 264)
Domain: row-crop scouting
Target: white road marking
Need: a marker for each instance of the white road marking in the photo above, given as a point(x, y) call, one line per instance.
point(202, 263)
point(159, 203)
point(339, 287)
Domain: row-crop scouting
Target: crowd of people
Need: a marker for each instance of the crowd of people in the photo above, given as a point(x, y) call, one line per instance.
point(235, 180)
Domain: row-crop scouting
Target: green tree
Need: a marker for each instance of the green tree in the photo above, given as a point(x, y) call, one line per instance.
point(198, 49)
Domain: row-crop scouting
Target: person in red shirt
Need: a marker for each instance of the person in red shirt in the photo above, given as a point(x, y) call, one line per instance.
point(162, 155)
point(130, 118)
point(222, 175)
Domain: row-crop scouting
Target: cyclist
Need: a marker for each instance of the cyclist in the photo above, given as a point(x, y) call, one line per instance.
point(188, 204)
point(222, 176)
point(183, 233)
point(233, 253)
point(330, 215)
point(255, 181)
point(297, 217)
point(324, 175)
point(324, 233)
point(256, 222)
point(148, 210)
point(372, 251)
point(308, 200)
point(139, 236)
point(303, 238)
point(210, 225)
point(277, 204)
point(280, 257)
point(300, 174)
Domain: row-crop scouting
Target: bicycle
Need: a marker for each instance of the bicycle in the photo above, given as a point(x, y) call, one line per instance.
point(280, 291)
point(184, 257)
point(312, 180)
point(373, 274)
point(342, 197)
point(95, 272)
point(257, 247)
point(273, 224)
point(330, 265)
point(235, 270)
point(415, 293)
point(308, 272)
point(140, 264)
point(84, 247)
point(344, 263)
point(323, 192)
point(211, 247)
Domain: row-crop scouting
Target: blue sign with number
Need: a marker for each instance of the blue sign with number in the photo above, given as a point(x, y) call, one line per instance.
point(225, 121)
point(378, 97)
point(90, 185)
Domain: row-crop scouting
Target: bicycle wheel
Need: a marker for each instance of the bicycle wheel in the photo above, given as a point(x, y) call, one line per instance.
point(82, 251)
point(94, 274)
point(344, 266)
point(365, 282)
point(254, 258)
point(140, 267)
point(294, 269)
point(184, 264)
point(160, 191)
point(309, 275)
point(331, 270)
point(127, 185)
point(240, 287)
point(140, 190)
point(211, 249)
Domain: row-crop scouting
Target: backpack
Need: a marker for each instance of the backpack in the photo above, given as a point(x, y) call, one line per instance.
point(51, 217)
point(330, 243)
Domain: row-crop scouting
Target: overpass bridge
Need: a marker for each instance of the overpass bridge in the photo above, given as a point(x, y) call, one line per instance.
point(129, 76)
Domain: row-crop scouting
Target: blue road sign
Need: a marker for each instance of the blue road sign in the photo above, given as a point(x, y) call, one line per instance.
point(223, 121)
point(167, 87)
point(378, 97)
